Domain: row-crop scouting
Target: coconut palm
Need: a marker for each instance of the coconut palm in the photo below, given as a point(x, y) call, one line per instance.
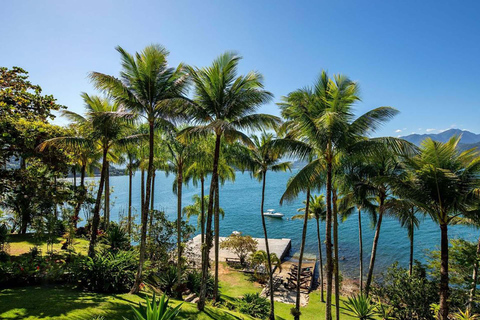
point(318, 212)
point(149, 87)
point(224, 104)
point(106, 124)
point(440, 181)
point(321, 117)
point(260, 158)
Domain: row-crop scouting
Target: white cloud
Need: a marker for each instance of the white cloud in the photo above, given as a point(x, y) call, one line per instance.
point(398, 130)
point(430, 130)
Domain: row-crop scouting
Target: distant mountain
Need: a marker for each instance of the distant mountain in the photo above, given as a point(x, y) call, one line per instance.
point(469, 139)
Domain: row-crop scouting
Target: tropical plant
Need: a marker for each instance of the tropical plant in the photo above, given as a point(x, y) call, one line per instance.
point(166, 279)
point(116, 237)
point(156, 310)
point(254, 305)
point(467, 315)
point(241, 245)
point(440, 180)
point(259, 263)
point(224, 104)
point(3, 237)
point(149, 87)
point(361, 307)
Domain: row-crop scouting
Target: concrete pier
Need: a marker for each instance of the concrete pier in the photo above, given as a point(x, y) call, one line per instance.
point(280, 247)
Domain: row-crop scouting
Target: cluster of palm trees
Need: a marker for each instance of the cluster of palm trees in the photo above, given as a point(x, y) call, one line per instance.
point(204, 135)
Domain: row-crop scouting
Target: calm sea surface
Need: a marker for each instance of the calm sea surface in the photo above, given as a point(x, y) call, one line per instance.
point(241, 201)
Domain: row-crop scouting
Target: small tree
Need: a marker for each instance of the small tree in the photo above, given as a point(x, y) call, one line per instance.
point(242, 246)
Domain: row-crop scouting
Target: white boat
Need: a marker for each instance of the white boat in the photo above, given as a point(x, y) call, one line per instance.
point(271, 213)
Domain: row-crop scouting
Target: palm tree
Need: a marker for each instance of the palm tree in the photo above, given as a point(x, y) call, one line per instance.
point(262, 157)
point(318, 212)
point(322, 119)
point(224, 104)
point(195, 209)
point(107, 127)
point(440, 181)
point(149, 87)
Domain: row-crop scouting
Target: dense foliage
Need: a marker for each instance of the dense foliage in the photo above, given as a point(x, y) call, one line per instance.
point(254, 305)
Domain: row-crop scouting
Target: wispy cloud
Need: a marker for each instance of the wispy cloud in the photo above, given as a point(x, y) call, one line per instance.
point(398, 130)
point(431, 130)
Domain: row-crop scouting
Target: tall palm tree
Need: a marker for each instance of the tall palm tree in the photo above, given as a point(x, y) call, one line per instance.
point(318, 212)
point(440, 180)
point(224, 104)
point(106, 123)
point(149, 87)
point(322, 118)
point(262, 157)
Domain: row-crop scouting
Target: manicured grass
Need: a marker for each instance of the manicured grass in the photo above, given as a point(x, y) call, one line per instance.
point(33, 303)
point(22, 243)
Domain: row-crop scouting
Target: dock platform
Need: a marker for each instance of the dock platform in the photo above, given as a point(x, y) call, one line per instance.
point(281, 247)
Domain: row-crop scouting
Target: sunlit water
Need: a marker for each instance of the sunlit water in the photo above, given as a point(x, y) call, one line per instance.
point(241, 202)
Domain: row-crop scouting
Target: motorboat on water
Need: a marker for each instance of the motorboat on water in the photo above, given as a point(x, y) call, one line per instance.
point(271, 213)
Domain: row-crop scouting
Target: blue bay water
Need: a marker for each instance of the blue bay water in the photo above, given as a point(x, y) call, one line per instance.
point(241, 201)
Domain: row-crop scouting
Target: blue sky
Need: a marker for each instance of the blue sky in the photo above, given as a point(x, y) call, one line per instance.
point(421, 57)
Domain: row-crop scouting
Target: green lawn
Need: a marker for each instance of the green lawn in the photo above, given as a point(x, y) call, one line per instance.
point(22, 243)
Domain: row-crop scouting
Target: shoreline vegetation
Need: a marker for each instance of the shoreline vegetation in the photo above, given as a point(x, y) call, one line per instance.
point(201, 125)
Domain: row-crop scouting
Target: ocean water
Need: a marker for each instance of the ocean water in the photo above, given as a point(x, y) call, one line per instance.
point(241, 202)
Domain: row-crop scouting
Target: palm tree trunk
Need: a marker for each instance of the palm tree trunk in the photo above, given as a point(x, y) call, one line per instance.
point(335, 261)
point(179, 225)
point(81, 196)
point(202, 217)
point(410, 266)
point(328, 243)
point(300, 260)
point(107, 196)
point(474, 277)
point(96, 210)
point(267, 248)
point(217, 239)
point(444, 292)
point(321, 260)
point(375, 245)
point(208, 232)
point(130, 175)
point(360, 250)
point(145, 202)
point(74, 171)
point(152, 199)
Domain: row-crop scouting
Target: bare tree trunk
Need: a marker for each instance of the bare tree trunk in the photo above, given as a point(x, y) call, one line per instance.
point(444, 291)
point(202, 217)
point(335, 261)
point(217, 239)
point(375, 245)
point(474, 277)
point(179, 226)
point(145, 202)
point(360, 244)
point(322, 298)
point(267, 248)
point(107, 196)
point(130, 175)
point(328, 243)
point(300, 260)
point(96, 210)
point(208, 233)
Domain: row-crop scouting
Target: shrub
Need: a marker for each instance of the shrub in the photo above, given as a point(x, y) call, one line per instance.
point(107, 271)
point(116, 238)
point(3, 237)
point(253, 305)
point(194, 280)
point(165, 280)
point(156, 311)
point(361, 307)
point(410, 296)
